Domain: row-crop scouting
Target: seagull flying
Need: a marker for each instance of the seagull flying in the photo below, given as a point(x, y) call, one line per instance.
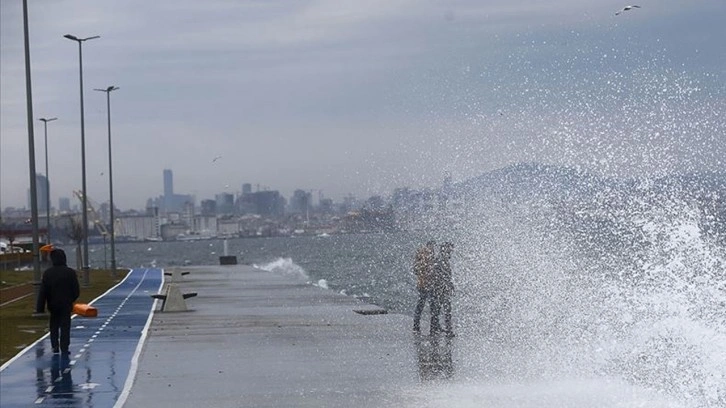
point(216, 158)
point(626, 8)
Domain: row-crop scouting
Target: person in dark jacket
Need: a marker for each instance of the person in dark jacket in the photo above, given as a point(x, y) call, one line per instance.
point(423, 268)
point(443, 286)
point(58, 290)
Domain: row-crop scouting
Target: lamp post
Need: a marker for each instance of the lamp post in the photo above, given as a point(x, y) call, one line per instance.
point(108, 91)
point(84, 202)
point(47, 177)
point(31, 153)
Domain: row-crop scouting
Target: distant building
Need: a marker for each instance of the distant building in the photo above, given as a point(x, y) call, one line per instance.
point(139, 227)
point(64, 204)
point(42, 188)
point(266, 203)
point(168, 183)
point(246, 188)
point(205, 225)
point(208, 208)
point(171, 202)
point(326, 206)
point(228, 227)
point(300, 202)
point(225, 203)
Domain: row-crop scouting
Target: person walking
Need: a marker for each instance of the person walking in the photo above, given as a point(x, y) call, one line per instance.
point(444, 285)
point(59, 288)
point(423, 268)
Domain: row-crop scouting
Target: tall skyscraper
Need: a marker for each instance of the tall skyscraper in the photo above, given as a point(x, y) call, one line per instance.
point(42, 188)
point(246, 188)
point(168, 183)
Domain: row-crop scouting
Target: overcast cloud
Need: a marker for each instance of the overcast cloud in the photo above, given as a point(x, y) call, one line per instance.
point(359, 96)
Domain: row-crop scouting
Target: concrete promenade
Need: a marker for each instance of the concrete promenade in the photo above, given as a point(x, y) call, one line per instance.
point(256, 339)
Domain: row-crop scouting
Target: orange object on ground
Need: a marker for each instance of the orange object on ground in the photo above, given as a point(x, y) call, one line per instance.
point(82, 309)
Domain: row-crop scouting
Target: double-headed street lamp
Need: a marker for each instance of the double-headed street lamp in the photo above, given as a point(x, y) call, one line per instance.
point(110, 176)
point(47, 177)
point(84, 203)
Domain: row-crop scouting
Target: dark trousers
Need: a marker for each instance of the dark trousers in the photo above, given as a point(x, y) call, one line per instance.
point(423, 296)
point(444, 302)
point(60, 323)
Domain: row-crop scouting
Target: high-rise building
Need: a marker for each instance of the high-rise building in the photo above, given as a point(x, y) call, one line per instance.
point(300, 202)
point(209, 207)
point(168, 183)
point(170, 202)
point(268, 203)
point(64, 204)
point(225, 203)
point(42, 189)
point(246, 188)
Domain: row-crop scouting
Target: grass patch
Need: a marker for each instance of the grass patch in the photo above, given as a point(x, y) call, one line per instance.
point(12, 278)
point(19, 328)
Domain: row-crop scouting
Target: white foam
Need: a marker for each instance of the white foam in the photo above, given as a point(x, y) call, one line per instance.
point(568, 393)
point(284, 266)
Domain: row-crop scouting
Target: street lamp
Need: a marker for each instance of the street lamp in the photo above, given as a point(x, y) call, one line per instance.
point(31, 153)
point(47, 177)
point(110, 179)
point(84, 202)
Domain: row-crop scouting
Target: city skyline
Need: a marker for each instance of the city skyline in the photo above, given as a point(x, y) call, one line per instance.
point(362, 97)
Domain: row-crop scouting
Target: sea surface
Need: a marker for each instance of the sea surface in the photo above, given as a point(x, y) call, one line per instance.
point(375, 266)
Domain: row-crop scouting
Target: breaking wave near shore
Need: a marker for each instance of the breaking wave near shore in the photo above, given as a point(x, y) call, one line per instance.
point(613, 289)
point(284, 266)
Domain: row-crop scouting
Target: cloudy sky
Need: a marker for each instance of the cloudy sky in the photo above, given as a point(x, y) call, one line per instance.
point(360, 96)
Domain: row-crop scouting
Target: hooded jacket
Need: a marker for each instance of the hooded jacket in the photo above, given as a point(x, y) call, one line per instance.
point(59, 287)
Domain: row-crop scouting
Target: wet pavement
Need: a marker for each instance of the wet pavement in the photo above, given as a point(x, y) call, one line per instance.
point(250, 338)
point(256, 339)
point(101, 351)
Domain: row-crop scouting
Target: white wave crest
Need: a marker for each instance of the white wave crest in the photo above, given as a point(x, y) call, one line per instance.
point(284, 266)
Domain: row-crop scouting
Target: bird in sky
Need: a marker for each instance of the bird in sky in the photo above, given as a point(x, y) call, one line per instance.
point(626, 8)
point(216, 158)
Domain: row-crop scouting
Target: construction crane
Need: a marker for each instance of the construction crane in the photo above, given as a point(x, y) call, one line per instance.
point(95, 218)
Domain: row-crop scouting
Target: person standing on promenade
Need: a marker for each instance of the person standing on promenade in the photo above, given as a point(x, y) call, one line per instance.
point(59, 288)
point(423, 268)
point(444, 285)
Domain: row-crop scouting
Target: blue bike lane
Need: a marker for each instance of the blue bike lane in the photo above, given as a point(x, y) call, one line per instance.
point(102, 352)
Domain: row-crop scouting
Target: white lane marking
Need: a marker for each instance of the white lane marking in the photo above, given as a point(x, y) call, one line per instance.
point(135, 359)
point(49, 390)
point(39, 400)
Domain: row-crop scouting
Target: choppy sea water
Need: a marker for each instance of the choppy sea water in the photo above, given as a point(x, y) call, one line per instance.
point(548, 313)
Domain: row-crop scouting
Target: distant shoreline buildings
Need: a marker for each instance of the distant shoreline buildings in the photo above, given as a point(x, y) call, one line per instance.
point(261, 212)
point(582, 201)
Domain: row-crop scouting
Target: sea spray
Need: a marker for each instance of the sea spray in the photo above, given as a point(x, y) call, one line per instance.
point(621, 285)
point(284, 266)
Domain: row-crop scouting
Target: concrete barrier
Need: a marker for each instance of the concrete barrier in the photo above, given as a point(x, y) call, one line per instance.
point(176, 274)
point(174, 300)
